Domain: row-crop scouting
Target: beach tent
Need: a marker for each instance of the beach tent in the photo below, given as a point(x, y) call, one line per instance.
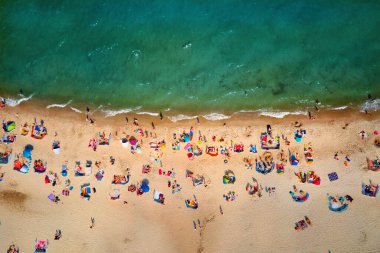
point(9, 126)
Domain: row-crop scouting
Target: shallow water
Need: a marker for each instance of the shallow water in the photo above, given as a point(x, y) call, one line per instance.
point(191, 56)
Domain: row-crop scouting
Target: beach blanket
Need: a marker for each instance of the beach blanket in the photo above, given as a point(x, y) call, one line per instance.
point(333, 176)
point(159, 197)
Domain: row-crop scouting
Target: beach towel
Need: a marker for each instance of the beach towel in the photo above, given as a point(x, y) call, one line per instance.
point(120, 179)
point(333, 176)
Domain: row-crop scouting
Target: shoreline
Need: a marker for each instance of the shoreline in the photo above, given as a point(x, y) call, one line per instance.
point(260, 115)
point(371, 106)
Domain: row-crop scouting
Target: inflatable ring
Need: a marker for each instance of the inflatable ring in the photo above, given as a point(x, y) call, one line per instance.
point(225, 161)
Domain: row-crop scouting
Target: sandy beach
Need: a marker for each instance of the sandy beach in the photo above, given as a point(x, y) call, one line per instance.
point(135, 223)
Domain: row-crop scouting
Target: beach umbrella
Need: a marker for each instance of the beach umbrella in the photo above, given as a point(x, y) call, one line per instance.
point(145, 188)
point(27, 151)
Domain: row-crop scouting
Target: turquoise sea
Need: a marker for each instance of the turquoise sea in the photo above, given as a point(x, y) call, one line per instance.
point(191, 56)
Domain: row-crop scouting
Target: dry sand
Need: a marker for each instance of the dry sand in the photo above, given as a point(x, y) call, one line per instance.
point(247, 225)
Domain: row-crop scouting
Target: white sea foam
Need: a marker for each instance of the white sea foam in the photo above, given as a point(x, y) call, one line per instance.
point(75, 110)
point(148, 113)
point(371, 105)
point(280, 115)
point(340, 108)
point(180, 117)
point(216, 116)
point(112, 113)
point(59, 105)
point(12, 102)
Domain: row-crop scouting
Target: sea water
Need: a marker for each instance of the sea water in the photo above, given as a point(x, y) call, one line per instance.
point(191, 56)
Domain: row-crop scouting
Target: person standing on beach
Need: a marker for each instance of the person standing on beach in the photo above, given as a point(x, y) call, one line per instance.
point(126, 120)
point(154, 127)
point(161, 116)
point(92, 222)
